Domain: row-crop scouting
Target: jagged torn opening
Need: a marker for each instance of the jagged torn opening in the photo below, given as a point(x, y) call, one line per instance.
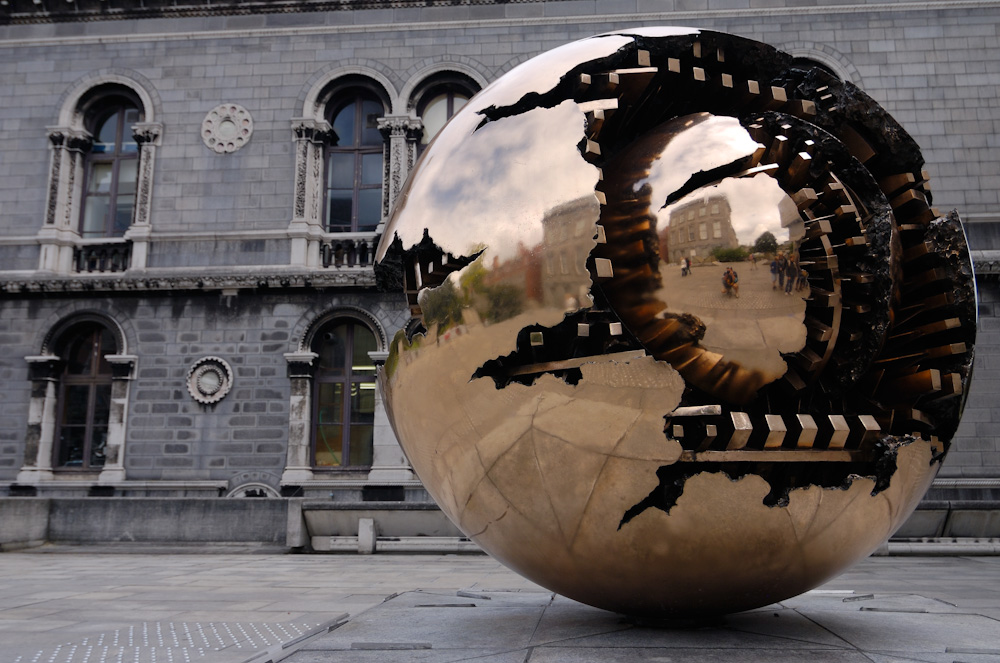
point(782, 478)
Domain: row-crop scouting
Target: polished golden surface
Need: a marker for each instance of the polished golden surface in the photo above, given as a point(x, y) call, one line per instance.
point(646, 435)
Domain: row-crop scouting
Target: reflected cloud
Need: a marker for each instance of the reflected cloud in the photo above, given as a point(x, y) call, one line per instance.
point(698, 142)
point(492, 188)
point(526, 79)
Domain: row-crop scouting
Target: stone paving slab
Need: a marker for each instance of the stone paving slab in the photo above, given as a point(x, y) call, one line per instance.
point(255, 608)
point(823, 626)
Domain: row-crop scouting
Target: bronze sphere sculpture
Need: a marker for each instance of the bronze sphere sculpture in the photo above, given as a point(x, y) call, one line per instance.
point(594, 398)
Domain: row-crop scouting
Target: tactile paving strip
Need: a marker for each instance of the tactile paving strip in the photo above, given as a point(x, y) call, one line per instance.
point(177, 642)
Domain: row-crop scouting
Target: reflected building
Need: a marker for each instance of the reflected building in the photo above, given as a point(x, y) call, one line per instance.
point(567, 240)
point(697, 228)
point(523, 271)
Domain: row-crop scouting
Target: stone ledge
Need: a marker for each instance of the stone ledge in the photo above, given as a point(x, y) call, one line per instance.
point(147, 282)
point(52, 11)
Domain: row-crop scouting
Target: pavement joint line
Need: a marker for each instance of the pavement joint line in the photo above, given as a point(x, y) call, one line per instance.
point(286, 649)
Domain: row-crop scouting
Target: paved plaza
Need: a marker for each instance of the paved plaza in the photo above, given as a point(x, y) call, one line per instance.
point(752, 329)
point(135, 605)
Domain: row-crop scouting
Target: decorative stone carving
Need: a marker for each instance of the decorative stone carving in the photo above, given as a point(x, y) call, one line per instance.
point(121, 281)
point(301, 364)
point(227, 128)
point(209, 380)
point(401, 133)
point(254, 483)
point(310, 138)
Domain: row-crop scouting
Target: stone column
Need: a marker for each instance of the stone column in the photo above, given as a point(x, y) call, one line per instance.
point(59, 233)
point(298, 460)
point(147, 135)
point(123, 370)
point(401, 133)
point(43, 371)
point(306, 228)
point(389, 463)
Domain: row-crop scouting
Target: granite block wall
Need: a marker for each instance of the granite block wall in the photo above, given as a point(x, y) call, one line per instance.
point(169, 435)
point(932, 65)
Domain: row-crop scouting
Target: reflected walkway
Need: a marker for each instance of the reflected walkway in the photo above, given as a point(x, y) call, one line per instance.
point(752, 329)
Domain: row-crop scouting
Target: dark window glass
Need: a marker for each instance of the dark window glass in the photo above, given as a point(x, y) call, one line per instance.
point(354, 165)
point(344, 395)
point(84, 396)
point(111, 169)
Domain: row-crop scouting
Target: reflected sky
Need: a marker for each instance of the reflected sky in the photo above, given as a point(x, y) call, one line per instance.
point(544, 72)
point(701, 142)
point(492, 187)
point(758, 205)
point(657, 31)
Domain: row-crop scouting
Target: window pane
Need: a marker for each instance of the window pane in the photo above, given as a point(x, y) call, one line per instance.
point(362, 422)
point(343, 126)
point(77, 400)
point(100, 178)
point(329, 424)
point(361, 444)
point(98, 442)
point(128, 141)
point(104, 137)
point(434, 117)
point(371, 111)
point(95, 216)
point(330, 409)
point(371, 168)
point(128, 171)
point(458, 102)
point(123, 215)
point(339, 209)
point(71, 440)
point(341, 170)
point(332, 350)
point(78, 353)
point(362, 403)
point(329, 445)
point(369, 208)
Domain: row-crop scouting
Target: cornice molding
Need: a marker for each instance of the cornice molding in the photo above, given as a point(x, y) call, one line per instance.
point(162, 10)
point(144, 282)
point(53, 11)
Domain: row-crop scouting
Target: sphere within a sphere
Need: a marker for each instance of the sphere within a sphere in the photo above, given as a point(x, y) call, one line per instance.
point(590, 393)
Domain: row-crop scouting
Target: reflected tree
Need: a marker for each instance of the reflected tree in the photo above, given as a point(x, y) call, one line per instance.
point(766, 243)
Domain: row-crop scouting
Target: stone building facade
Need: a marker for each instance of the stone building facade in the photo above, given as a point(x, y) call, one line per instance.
point(191, 192)
point(697, 228)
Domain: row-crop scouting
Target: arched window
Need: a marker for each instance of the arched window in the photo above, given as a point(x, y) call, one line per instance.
point(111, 166)
point(344, 395)
point(354, 163)
point(438, 99)
point(437, 108)
point(84, 400)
